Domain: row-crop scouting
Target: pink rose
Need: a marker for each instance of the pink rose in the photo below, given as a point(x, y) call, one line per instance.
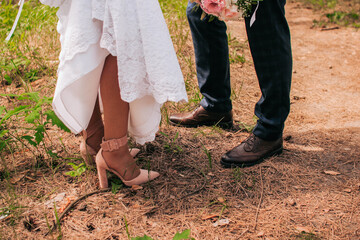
point(213, 7)
point(231, 13)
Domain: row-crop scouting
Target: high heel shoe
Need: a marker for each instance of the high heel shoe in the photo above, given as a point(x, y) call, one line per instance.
point(102, 166)
point(88, 153)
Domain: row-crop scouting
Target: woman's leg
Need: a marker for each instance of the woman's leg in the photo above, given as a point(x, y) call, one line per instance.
point(116, 114)
point(95, 130)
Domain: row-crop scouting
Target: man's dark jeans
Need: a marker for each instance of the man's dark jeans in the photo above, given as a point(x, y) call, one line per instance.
point(269, 40)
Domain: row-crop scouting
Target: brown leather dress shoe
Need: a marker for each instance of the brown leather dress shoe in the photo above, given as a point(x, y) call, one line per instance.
point(201, 117)
point(251, 151)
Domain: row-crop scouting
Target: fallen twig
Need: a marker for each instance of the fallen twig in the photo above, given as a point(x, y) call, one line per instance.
point(73, 205)
point(328, 29)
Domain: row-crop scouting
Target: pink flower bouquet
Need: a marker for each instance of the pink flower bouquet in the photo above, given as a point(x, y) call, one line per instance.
point(226, 9)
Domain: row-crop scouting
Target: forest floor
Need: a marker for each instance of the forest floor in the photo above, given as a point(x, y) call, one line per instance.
point(311, 191)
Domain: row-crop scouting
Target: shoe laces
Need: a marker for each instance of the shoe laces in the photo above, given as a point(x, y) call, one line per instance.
point(250, 142)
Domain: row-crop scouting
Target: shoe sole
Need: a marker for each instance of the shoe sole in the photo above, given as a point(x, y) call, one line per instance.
point(224, 125)
point(243, 165)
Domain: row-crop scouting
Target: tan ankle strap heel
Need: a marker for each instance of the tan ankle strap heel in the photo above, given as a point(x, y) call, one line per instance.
point(102, 166)
point(113, 144)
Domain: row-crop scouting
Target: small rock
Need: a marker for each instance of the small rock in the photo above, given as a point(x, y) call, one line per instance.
point(58, 198)
point(260, 234)
point(348, 190)
point(221, 222)
point(291, 202)
point(333, 173)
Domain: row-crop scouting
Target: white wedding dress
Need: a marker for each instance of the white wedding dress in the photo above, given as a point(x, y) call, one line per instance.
point(148, 70)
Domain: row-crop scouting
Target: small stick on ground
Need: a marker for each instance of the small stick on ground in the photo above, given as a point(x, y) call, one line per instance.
point(73, 205)
point(260, 201)
point(328, 29)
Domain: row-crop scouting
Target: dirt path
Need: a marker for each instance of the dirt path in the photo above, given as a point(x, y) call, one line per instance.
point(326, 73)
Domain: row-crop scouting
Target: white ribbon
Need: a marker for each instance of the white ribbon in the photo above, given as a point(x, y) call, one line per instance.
point(21, 4)
point(253, 17)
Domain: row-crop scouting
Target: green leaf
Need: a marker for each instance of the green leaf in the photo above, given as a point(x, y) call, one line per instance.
point(184, 235)
point(33, 96)
point(8, 79)
point(3, 132)
point(30, 140)
point(71, 174)
point(73, 165)
point(11, 95)
point(39, 133)
point(14, 112)
point(52, 154)
point(116, 185)
point(2, 145)
point(34, 115)
point(2, 109)
point(78, 169)
point(145, 237)
point(50, 115)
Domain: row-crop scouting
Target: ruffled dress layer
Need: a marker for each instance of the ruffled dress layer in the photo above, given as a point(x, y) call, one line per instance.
point(148, 70)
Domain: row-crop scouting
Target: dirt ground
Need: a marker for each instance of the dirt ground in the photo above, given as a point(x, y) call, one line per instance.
point(311, 191)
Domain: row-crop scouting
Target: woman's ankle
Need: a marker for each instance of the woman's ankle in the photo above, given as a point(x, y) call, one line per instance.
point(95, 138)
point(121, 161)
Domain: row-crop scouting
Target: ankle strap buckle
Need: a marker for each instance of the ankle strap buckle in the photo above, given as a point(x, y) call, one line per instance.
point(113, 144)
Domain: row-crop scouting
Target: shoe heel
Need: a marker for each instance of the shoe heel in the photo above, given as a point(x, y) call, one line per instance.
point(101, 167)
point(102, 177)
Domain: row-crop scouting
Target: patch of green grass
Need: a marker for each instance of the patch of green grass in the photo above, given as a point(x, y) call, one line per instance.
point(170, 144)
point(347, 16)
point(344, 18)
point(321, 4)
point(236, 50)
point(25, 57)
